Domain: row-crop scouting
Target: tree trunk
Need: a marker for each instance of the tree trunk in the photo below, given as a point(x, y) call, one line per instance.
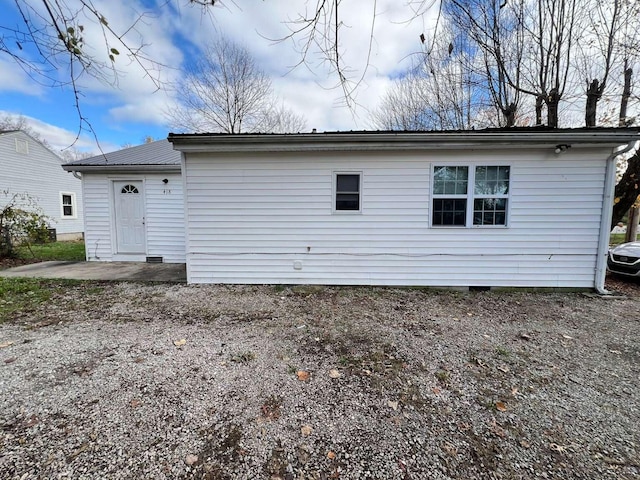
point(627, 189)
point(632, 226)
point(626, 93)
point(509, 113)
point(593, 95)
point(539, 103)
point(552, 108)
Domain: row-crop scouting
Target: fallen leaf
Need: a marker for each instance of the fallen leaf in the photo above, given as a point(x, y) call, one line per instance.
point(191, 459)
point(503, 368)
point(5, 344)
point(33, 420)
point(436, 390)
point(501, 406)
point(334, 373)
point(180, 343)
point(303, 376)
point(524, 444)
point(393, 404)
point(524, 336)
point(496, 429)
point(135, 403)
point(558, 448)
point(450, 449)
point(331, 455)
point(514, 391)
point(306, 430)
point(10, 360)
point(567, 337)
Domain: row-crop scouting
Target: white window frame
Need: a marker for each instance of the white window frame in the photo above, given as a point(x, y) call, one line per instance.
point(334, 192)
point(74, 206)
point(470, 196)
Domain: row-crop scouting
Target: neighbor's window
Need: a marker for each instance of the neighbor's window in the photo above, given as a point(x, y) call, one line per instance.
point(347, 192)
point(68, 204)
point(456, 204)
point(22, 146)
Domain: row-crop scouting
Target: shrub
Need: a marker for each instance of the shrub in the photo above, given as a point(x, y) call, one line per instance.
point(21, 223)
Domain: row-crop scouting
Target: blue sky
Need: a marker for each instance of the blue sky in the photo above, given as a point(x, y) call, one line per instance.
point(132, 110)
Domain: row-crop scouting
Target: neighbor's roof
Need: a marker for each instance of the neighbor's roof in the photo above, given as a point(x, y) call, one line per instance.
point(523, 137)
point(158, 155)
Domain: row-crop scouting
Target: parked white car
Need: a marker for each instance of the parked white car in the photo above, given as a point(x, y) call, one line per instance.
point(625, 259)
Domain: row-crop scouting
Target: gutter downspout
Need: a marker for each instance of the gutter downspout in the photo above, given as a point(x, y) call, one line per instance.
point(607, 214)
point(76, 174)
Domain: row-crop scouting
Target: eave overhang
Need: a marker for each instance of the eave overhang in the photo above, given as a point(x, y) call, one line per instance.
point(121, 168)
point(395, 141)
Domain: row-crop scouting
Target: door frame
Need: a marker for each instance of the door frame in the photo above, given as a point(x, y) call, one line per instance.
point(131, 257)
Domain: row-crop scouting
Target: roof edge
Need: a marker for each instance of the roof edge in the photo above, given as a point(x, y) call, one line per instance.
point(124, 168)
point(611, 137)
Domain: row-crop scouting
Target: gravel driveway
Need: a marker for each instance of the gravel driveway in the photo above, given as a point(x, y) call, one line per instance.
point(132, 381)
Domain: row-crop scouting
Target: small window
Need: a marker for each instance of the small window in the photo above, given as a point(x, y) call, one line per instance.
point(129, 189)
point(453, 196)
point(68, 205)
point(347, 192)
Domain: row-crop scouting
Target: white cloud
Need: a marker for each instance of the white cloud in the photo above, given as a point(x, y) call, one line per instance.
point(176, 30)
point(58, 138)
point(14, 79)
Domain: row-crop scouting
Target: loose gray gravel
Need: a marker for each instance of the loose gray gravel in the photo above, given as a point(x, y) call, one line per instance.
point(320, 383)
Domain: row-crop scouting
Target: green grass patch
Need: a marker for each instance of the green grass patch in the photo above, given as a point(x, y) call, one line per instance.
point(27, 294)
point(63, 251)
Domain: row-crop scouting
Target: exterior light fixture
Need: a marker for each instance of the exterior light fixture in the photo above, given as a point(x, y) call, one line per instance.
point(562, 148)
point(166, 180)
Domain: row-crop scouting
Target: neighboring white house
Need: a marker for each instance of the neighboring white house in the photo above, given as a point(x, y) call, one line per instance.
point(133, 204)
point(28, 167)
point(517, 207)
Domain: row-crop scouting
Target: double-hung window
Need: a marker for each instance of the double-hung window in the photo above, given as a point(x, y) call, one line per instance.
point(68, 205)
point(466, 196)
point(347, 188)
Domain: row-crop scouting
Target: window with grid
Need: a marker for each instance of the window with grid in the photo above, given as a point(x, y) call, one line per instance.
point(347, 190)
point(450, 186)
point(457, 204)
point(490, 195)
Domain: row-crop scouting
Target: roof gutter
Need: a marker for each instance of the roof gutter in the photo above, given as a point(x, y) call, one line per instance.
point(607, 214)
point(217, 143)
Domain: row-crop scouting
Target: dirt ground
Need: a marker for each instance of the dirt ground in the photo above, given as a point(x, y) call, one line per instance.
point(130, 381)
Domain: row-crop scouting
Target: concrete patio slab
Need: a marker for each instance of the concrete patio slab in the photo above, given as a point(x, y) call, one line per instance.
point(119, 271)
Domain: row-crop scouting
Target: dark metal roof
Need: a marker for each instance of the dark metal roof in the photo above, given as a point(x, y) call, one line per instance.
point(149, 154)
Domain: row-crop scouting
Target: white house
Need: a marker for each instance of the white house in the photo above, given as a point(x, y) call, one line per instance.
point(518, 207)
point(28, 167)
point(133, 204)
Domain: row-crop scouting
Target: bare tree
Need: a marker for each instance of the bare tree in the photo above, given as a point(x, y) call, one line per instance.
point(51, 44)
point(438, 93)
point(225, 91)
point(493, 33)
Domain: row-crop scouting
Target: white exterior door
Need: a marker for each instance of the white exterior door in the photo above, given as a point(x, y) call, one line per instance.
point(129, 212)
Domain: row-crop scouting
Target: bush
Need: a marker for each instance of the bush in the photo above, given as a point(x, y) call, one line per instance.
point(22, 223)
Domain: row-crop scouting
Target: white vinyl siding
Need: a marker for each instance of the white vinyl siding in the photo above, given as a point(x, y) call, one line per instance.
point(164, 216)
point(26, 166)
point(97, 217)
point(251, 217)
